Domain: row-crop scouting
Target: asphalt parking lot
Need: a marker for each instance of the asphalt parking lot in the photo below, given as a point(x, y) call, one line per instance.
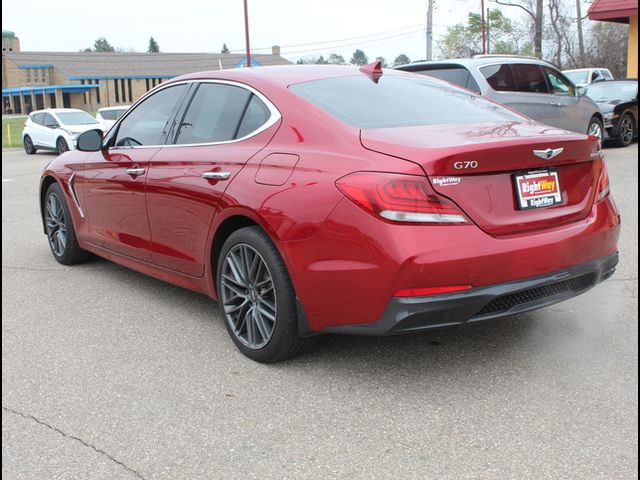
point(108, 374)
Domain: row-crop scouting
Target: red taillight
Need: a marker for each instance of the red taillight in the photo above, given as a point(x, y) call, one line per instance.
point(603, 183)
point(423, 292)
point(399, 198)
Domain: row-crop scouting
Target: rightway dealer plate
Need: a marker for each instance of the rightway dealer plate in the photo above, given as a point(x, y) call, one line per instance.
point(538, 189)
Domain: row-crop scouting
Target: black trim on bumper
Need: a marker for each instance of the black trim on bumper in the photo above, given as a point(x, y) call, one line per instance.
point(415, 314)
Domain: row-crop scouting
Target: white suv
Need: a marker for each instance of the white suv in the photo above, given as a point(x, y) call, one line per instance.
point(56, 129)
point(107, 116)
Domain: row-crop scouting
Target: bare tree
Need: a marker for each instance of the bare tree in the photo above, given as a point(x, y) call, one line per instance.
point(535, 10)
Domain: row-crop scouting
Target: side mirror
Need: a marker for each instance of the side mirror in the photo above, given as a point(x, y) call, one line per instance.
point(90, 141)
point(581, 91)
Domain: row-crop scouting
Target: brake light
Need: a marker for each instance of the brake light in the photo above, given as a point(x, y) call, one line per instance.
point(603, 183)
point(399, 198)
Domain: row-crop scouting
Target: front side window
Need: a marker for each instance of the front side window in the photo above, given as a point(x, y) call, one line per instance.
point(146, 124)
point(214, 114)
point(499, 77)
point(49, 121)
point(529, 78)
point(559, 84)
point(399, 101)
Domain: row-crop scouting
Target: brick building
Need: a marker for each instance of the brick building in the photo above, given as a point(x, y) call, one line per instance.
point(92, 80)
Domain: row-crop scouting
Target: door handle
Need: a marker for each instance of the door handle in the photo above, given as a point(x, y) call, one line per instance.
point(554, 104)
point(216, 175)
point(134, 171)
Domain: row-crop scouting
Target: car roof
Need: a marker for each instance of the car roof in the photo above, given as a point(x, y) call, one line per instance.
point(585, 69)
point(57, 110)
point(117, 107)
point(479, 61)
point(279, 76)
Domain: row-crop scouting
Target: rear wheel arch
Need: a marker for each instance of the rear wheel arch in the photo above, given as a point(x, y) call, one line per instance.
point(44, 186)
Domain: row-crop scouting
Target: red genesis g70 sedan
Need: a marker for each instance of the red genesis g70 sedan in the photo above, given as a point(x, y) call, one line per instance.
point(322, 199)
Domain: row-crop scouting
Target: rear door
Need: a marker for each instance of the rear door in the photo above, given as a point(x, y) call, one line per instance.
point(221, 128)
point(113, 181)
point(524, 88)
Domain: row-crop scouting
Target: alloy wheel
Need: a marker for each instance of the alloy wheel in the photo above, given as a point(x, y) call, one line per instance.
point(248, 296)
point(626, 130)
point(596, 130)
point(56, 225)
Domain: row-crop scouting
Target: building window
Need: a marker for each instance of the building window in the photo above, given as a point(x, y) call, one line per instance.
point(130, 92)
point(17, 104)
point(97, 91)
point(115, 89)
point(124, 97)
point(146, 83)
point(43, 71)
point(52, 100)
point(28, 75)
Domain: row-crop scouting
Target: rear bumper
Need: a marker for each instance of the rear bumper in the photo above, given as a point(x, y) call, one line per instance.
point(415, 314)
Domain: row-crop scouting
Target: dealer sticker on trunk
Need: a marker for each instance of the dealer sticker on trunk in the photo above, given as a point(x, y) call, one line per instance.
point(537, 190)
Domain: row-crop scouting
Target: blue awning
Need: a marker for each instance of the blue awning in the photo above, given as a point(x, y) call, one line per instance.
point(7, 92)
point(243, 63)
point(36, 66)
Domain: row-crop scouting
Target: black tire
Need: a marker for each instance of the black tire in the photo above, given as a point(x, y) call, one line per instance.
point(29, 148)
point(62, 145)
point(595, 125)
point(626, 131)
point(58, 222)
point(283, 341)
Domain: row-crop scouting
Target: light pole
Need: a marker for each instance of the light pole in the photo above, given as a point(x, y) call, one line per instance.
point(246, 33)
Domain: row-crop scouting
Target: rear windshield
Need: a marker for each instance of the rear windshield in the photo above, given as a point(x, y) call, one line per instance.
point(399, 101)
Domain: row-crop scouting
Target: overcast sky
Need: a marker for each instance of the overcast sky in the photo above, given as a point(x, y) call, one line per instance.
point(302, 27)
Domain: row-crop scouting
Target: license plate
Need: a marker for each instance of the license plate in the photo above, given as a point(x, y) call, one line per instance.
point(538, 190)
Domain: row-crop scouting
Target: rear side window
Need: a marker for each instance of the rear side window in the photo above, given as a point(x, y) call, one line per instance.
point(146, 124)
point(529, 78)
point(399, 100)
point(256, 115)
point(499, 77)
point(214, 114)
point(458, 75)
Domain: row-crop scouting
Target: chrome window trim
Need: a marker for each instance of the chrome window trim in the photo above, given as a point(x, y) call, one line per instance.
point(273, 118)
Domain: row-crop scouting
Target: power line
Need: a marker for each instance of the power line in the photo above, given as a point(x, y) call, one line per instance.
point(360, 43)
point(336, 40)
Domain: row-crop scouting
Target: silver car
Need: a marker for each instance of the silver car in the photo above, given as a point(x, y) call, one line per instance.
point(528, 85)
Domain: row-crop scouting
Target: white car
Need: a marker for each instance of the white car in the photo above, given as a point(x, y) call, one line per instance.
point(56, 129)
point(582, 77)
point(107, 116)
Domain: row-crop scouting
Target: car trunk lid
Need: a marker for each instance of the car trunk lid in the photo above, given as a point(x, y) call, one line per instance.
point(475, 164)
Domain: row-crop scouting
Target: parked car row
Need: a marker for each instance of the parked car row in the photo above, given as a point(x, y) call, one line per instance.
point(542, 92)
point(58, 129)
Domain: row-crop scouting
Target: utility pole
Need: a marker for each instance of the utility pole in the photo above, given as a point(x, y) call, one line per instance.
point(580, 36)
point(488, 34)
point(430, 30)
point(484, 29)
point(246, 34)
